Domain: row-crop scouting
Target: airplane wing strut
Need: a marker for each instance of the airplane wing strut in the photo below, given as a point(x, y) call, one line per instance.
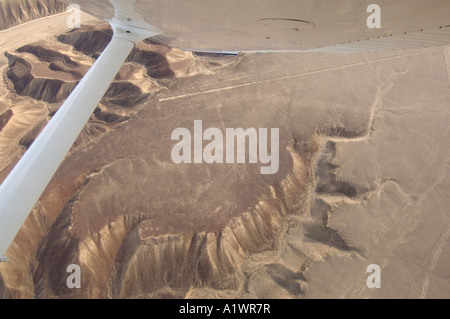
point(27, 181)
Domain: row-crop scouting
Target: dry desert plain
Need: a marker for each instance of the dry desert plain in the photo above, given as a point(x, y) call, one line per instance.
point(363, 172)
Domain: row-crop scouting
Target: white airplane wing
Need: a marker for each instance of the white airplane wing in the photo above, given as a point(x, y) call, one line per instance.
point(213, 26)
point(282, 25)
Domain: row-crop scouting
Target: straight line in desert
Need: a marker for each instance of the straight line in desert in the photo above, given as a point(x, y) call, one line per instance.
point(231, 87)
point(435, 258)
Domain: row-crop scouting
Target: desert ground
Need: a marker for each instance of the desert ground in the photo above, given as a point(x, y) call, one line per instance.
point(363, 176)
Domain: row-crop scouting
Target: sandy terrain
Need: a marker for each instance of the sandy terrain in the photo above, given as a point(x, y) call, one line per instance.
point(363, 178)
point(15, 12)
